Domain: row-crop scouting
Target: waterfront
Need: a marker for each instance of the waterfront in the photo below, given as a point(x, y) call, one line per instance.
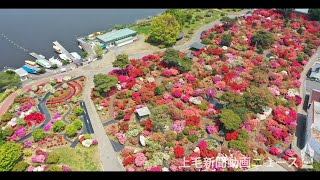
point(35, 29)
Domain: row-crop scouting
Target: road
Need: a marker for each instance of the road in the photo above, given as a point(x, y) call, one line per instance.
point(86, 118)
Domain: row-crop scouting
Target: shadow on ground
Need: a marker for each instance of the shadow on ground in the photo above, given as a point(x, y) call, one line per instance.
point(301, 130)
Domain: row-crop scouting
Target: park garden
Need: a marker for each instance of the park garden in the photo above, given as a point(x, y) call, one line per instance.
point(237, 96)
point(40, 122)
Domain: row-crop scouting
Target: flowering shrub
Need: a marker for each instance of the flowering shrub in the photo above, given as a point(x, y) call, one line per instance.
point(211, 129)
point(289, 152)
point(38, 159)
point(128, 160)
point(178, 126)
point(20, 132)
point(178, 152)
point(231, 136)
point(202, 145)
point(140, 159)
point(274, 151)
point(121, 138)
point(27, 144)
point(177, 93)
point(126, 117)
point(35, 117)
point(193, 121)
point(65, 168)
point(147, 124)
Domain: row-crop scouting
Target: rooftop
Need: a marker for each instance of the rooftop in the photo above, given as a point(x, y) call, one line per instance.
point(143, 111)
point(315, 95)
point(197, 45)
point(315, 128)
point(302, 10)
point(21, 72)
point(124, 40)
point(115, 35)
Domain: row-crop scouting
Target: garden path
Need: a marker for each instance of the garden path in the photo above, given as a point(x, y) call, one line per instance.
point(111, 108)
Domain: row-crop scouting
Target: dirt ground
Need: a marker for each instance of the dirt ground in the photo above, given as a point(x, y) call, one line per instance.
point(138, 46)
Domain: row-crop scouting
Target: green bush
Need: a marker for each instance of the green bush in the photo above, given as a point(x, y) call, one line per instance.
point(28, 153)
point(6, 117)
point(203, 106)
point(129, 93)
point(159, 90)
point(226, 40)
point(260, 51)
point(87, 136)
point(120, 115)
point(239, 145)
point(192, 138)
point(180, 136)
point(58, 126)
point(38, 134)
point(77, 124)
point(20, 166)
point(243, 135)
point(78, 111)
point(222, 14)
point(53, 158)
point(54, 168)
point(7, 132)
point(71, 131)
point(186, 131)
point(206, 41)
point(72, 118)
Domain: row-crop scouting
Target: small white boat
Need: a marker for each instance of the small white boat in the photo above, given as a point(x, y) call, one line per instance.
point(80, 46)
point(57, 49)
point(42, 56)
point(32, 63)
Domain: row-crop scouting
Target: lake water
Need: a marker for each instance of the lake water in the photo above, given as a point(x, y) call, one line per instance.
point(36, 29)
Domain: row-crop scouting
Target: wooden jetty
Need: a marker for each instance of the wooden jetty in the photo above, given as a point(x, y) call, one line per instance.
point(63, 50)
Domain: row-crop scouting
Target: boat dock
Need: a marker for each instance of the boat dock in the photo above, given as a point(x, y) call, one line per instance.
point(91, 53)
point(37, 56)
point(63, 50)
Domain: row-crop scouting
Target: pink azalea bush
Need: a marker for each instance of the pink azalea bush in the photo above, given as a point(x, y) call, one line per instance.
point(121, 138)
point(178, 126)
point(140, 159)
point(27, 144)
point(20, 132)
point(38, 159)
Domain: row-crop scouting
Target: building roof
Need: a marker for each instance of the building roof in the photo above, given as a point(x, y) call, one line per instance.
point(21, 72)
point(315, 127)
point(143, 111)
point(114, 35)
point(124, 40)
point(315, 71)
point(197, 45)
point(302, 10)
point(315, 95)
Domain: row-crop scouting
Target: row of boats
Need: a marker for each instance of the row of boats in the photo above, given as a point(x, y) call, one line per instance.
point(32, 67)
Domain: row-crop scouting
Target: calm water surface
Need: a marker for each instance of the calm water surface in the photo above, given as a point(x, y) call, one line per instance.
point(36, 29)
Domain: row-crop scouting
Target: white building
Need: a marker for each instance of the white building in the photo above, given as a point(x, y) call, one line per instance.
point(22, 73)
point(313, 131)
point(55, 61)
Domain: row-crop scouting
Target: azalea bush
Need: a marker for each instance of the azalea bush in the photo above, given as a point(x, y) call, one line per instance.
point(179, 152)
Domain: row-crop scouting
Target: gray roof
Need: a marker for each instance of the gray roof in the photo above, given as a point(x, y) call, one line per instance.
point(302, 10)
point(21, 72)
point(143, 111)
point(197, 45)
point(116, 35)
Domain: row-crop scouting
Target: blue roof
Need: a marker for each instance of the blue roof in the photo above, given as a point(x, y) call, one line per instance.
point(116, 35)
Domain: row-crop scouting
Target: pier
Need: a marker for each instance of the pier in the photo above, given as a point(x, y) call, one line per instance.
point(63, 50)
point(91, 53)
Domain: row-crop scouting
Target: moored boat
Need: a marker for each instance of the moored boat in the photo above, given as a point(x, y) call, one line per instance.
point(30, 69)
point(32, 63)
point(44, 63)
point(57, 49)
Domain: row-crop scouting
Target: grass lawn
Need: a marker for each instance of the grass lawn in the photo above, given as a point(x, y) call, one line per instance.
point(80, 158)
point(141, 29)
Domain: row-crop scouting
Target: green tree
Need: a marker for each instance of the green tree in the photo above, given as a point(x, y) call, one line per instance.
point(77, 124)
point(231, 121)
point(228, 22)
point(84, 53)
point(238, 145)
point(20, 166)
point(243, 135)
point(258, 98)
point(206, 41)
point(54, 66)
point(9, 79)
point(171, 57)
point(6, 117)
point(103, 83)
point(314, 14)
point(203, 106)
point(10, 153)
point(164, 29)
point(232, 99)
point(300, 30)
point(316, 166)
point(71, 131)
point(58, 126)
point(65, 62)
point(42, 70)
point(262, 39)
point(99, 51)
point(120, 115)
point(226, 40)
point(38, 134)
point(122, 61)
point(159, 90)
point(179, 15)
point(78, 111)
point(53, 158)
point(241, 112)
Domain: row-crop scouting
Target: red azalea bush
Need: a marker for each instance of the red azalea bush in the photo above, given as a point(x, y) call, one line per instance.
point(34, 117)
point(207, 153)
point(193, 121)
point(147, 124)
point(231, 136)
point(177, 93)
point(128, 160)
point(178, 152)
point(202, 145)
